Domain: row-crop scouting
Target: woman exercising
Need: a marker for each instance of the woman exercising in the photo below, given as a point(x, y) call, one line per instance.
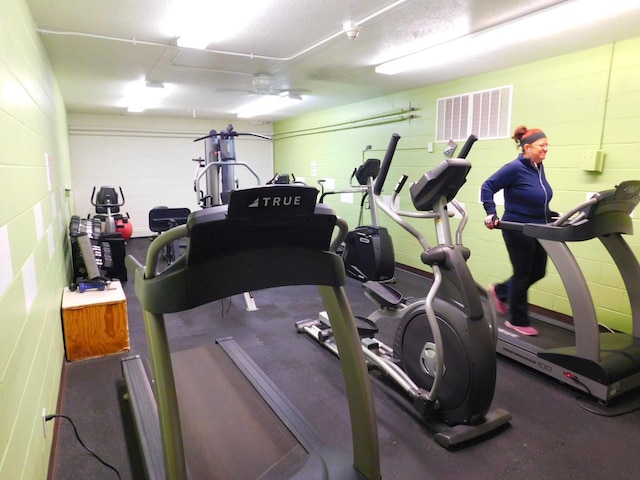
point(526, 200)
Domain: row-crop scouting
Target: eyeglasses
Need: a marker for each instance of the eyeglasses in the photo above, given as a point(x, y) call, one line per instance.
point(540, 145)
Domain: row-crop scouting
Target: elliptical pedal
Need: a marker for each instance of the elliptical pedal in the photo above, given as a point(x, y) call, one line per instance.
point(383, 294)
point(366, 328)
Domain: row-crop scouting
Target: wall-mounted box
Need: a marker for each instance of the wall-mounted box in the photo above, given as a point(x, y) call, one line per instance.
point(592, 160)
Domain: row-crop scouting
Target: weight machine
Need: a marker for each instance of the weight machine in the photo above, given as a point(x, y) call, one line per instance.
point(218, 167)
point(218, 170)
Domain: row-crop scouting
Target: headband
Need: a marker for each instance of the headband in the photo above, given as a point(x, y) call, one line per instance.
point(532, 138)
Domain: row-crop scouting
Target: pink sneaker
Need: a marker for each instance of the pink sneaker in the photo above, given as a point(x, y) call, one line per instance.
point(501, 306)
point(522, 330)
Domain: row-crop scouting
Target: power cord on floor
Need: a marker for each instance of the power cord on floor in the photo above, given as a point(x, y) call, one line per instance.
point(581, 399)
point(75, 430)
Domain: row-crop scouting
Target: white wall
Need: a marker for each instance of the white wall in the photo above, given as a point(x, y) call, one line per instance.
point(151, 159)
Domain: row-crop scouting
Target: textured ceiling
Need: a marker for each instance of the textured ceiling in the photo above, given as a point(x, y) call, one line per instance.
point(96, 48)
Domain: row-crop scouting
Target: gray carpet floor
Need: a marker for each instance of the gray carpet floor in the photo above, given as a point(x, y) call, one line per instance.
point(555, 434)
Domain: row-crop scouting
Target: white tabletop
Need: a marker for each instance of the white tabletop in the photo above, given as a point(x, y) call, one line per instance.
point(113, 293)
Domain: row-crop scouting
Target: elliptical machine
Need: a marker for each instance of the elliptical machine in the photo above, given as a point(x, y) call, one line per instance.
point(443, 354)
point(367, 250)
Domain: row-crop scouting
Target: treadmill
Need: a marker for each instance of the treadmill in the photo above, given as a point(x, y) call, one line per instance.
point(270, 236)
point(601, 362)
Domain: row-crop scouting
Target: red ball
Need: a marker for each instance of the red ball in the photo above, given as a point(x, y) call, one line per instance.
point(124, 228)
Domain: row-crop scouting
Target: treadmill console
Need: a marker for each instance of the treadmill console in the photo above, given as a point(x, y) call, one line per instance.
point(607, 212)
point(260, 218)
point(624, 199)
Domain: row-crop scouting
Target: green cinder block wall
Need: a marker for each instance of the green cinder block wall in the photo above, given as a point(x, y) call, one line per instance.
point(34, 250)
point(585, 101)
point(589, 100)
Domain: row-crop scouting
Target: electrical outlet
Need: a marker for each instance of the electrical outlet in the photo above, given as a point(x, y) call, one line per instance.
point(44, 422)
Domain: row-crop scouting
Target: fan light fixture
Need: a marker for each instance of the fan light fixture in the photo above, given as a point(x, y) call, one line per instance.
point(576, 14)
point(268, 104)
point(262, 83)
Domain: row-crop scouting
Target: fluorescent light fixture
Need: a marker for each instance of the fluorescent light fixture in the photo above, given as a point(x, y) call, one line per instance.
point(268, 104)
point(202, 22)
point(141, 95)
point(197, 40)
point(565, 16)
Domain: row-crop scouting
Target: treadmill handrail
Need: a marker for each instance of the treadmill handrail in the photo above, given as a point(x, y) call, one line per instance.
point(578, 224)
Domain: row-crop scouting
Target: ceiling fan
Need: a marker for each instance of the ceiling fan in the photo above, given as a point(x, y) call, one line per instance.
point(265, 84)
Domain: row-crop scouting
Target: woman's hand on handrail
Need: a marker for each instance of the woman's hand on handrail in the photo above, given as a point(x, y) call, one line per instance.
point(491, 221)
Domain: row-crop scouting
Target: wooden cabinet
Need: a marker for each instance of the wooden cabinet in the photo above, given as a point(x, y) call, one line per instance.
point(95, 323)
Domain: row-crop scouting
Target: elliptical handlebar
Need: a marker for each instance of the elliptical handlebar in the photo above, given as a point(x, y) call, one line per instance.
point(386, 163)
point(343, 229)
point(396, 191)
point(396, 214)
point(466, 148)
point(388, 157)
point(400, 184)
point(390, 210)
point(353, 175)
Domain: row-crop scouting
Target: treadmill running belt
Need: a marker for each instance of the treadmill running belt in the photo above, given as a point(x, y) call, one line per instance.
point(229, 431)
